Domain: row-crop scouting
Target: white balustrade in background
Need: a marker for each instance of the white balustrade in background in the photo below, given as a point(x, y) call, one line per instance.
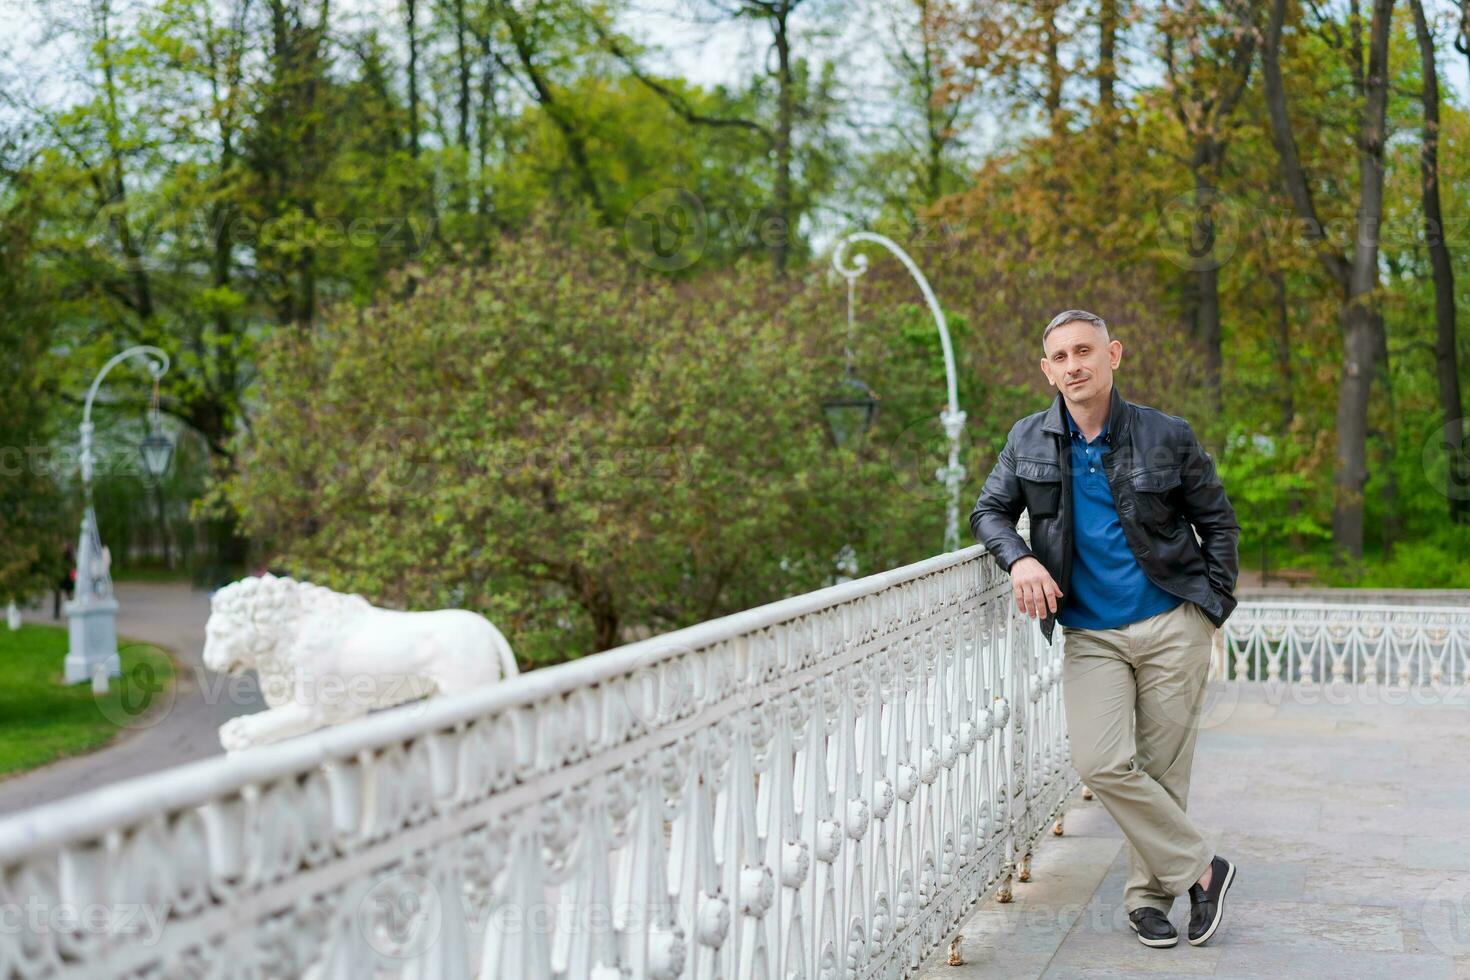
point(1345, 643)
point(820, 787)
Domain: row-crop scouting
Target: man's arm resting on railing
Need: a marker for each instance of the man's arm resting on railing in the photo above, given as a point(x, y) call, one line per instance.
point(993, 521)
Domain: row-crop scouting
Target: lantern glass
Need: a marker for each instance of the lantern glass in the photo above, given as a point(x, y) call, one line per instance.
point(850, 412)
point(157, 452)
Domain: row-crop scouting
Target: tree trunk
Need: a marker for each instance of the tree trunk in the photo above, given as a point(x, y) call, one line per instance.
point(1388, 527)
point(1107, 69)
point(597, 599)
point(410, 12)
point(1055, 75)
point(1357, 277)
point(161, 514)
point(522, 41)
point(785, 116)
point(1204, 115)
point(935, 126)
point(142, 299)
point(485, 113)
point(461, 52)
point(1207, 284)
point(1284, 375)
point(1446, 352)
point(1362, 324)
point(1286, 383)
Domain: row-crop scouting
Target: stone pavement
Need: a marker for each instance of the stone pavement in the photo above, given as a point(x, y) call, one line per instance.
point(1349, 824)
point(179, 729)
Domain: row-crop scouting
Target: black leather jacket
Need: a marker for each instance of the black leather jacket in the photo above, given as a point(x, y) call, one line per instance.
point(1162, 481)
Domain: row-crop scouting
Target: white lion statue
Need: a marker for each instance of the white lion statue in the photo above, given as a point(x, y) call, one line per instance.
point(325, 658)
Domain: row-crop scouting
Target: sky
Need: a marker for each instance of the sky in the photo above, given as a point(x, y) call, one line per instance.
point(686, 43)
point(682, 42)
point(709, 54)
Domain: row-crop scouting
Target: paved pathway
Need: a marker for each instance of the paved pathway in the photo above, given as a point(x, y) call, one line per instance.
point(1350, 828)
point(171, 616)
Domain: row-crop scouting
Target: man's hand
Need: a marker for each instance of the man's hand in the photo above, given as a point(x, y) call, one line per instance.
point(1036, 592)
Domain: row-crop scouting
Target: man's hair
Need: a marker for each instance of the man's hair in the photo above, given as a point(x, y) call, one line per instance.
point(1072, 316)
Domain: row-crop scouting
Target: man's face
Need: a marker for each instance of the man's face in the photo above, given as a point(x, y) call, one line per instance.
point(1080, 361)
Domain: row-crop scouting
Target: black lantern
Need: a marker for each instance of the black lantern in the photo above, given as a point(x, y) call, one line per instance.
point(157, 452)
point(850, 411)
point(156, 448)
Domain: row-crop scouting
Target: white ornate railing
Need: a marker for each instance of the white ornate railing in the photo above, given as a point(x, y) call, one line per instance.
point(820, 787)
point(1324, 643)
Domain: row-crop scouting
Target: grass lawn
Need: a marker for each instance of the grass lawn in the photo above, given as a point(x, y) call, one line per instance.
point(42, 719)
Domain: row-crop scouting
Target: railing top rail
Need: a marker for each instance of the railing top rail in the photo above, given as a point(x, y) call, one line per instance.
point(1250, 605)
point(95, 812)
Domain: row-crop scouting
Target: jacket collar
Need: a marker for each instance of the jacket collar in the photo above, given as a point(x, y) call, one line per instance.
point(1056, 418)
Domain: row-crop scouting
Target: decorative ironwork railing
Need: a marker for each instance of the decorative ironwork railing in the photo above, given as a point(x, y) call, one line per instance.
point(1325, 643)
point(819, 787)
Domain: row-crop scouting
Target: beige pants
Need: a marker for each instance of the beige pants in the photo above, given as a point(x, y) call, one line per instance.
point(1133, 697)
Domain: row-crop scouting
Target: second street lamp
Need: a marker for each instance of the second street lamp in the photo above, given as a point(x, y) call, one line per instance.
point(952, 474)
point(851, 408)
point(92, 615)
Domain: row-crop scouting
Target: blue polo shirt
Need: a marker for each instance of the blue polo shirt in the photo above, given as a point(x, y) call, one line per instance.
point(1109, 589)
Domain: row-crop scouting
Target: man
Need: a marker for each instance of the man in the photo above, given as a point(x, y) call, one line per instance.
point(1112, 489)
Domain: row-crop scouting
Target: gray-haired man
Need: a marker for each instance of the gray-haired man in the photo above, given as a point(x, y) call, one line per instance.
point(1116, 493)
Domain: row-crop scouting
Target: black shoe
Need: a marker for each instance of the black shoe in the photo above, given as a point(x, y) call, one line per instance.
point(1207, 905)
point(1153, 927)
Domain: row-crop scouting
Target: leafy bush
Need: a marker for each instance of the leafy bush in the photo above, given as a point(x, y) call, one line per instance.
point(1436, 560)
point(578, 448)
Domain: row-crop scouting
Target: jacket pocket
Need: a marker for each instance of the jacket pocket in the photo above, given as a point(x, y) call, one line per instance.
point(1041, 483)
point(1152, 492)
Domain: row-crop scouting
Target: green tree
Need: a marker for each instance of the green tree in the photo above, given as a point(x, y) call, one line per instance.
point(34, 521)
point(576, 446)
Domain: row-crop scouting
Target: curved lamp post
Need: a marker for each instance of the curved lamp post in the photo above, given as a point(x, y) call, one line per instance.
point(952, 474)
point(92, 613)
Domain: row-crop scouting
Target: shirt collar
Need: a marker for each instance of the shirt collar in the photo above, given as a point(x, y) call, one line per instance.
point(1071, 425)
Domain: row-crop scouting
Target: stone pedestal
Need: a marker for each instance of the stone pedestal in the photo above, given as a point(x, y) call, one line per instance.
point(93, 630)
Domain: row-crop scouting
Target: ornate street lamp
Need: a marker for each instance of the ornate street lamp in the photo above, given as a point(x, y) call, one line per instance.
point(92, 614)
point(952, 474)
point(850, 411)
point(156, 448)
point(851, 408)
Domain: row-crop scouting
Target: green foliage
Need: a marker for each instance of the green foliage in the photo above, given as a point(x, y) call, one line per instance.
point(34, 518)
point(1278, 503)
point(579, 448)
point(223, 172)
point(1437, 559)
point(642, 156)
